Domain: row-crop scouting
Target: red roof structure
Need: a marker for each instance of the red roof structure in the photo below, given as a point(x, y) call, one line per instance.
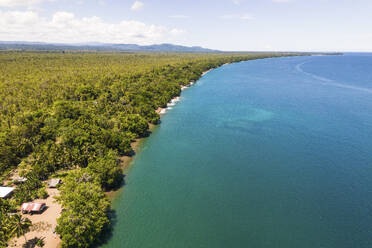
point(32, 207)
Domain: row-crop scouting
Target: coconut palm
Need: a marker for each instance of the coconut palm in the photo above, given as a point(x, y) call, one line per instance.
point(20, 226)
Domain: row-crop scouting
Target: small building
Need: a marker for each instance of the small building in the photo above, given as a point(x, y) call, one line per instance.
point(6, 192)
point(19, 179)
point(54, 182)
point(32, 207)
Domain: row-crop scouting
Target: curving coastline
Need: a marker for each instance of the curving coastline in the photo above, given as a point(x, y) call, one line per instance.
point(170, 91)
point(125, 161)
point(199, 174)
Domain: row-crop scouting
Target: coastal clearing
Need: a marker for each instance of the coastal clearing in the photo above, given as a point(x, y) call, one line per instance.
point(43, 224)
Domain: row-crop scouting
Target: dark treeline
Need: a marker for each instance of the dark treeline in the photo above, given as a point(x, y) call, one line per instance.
point(74, 115)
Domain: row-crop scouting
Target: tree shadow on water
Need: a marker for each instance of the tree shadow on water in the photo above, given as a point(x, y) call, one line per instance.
point(119, 185)
point(108, 233)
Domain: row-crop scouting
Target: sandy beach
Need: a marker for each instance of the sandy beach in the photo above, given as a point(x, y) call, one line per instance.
point(205, 72)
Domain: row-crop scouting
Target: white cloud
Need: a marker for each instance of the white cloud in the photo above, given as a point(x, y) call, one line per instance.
point(65, 27)
point(17, 18)
point(235, 16)
point(137, 5)
point(17, 3)
point(176, 31)
point(179, 16)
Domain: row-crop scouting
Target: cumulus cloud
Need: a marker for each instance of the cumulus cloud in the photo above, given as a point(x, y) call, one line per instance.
point(17, 3)
point(176, 31)
point(137, 5)
point(65, 27)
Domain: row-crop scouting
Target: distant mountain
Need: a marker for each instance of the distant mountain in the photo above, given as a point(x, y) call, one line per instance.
point(96, 46)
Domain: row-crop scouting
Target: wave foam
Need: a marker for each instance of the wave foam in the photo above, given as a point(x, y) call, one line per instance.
point(331, 82)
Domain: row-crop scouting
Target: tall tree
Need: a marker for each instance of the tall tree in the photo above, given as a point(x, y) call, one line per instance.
point(20, 226)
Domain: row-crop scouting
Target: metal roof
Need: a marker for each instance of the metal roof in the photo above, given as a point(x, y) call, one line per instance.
point(5, 191)
point(54, 182)
point(28, 207)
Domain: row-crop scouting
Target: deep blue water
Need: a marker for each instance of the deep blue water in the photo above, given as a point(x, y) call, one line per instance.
point(264, 153)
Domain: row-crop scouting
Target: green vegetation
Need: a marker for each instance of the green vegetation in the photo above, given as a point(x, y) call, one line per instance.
point(19, 226)
point(79, 112)
point(11, 224)
point(85, 209)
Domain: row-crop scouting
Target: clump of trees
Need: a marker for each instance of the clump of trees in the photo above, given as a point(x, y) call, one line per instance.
point(80, 112)
point(85, 213)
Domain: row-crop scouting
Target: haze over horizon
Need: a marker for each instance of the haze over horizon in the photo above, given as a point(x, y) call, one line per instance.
point(229, 25)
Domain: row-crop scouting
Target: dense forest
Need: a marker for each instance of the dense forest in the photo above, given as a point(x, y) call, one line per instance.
point(73, 115)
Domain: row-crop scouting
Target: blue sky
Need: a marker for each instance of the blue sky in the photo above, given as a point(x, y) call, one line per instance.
point(250, 25)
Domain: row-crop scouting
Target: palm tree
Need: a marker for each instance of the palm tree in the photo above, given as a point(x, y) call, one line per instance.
point(20, 226)
point(4, 222)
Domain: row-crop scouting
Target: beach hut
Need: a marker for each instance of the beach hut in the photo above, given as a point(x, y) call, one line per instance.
point(54, 182)
point(19, 179)
point(32, 207)
point(6, 192)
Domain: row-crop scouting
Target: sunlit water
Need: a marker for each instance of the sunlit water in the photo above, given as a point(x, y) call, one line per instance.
point(264, 153)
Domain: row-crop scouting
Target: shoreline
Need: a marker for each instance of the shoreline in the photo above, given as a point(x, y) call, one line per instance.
point(126, 161)
point(176, 99)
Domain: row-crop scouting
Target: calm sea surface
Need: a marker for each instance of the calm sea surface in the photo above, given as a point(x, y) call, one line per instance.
point(265, 153)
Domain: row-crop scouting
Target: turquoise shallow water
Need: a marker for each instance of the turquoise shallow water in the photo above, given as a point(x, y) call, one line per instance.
point(263, 153)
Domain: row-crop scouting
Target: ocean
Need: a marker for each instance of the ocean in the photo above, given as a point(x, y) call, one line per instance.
point(263, 153)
